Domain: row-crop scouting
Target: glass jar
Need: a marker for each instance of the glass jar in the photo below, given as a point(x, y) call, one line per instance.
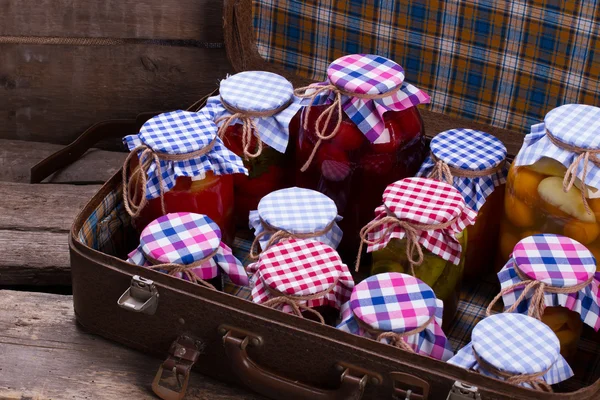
point(195, 171)
point(378, 140)
point(474, 163)
point(253, 111)
point(421, 212)
point(545, 192)
point(559, 274)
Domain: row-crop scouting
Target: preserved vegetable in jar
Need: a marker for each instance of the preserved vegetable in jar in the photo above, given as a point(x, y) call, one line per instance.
point(302, 277)
point(553, 186)
point(474, 163)
point(179, 164)
point(421, 212)
point(552, 278)
point(408, 317)
point(253, 111)
point(517, 349)
point(188, 246)
point(361, 129)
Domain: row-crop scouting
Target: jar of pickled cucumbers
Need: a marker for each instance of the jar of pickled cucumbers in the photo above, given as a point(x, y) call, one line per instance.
point(361, 129)
point(553, 184)
point(253, 111)
point(474, 163)
point(552, 278)
point(420, 230)
point(179, 164)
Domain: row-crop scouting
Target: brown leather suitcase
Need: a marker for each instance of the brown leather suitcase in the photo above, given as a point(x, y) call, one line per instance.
point(226, 337)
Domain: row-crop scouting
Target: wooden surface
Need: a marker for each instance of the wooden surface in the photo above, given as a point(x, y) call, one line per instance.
point(45, 355)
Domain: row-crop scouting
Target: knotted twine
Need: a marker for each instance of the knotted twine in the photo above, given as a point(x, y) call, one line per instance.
point(445, 173)
point(535, 379)
point(311, 92)
point(173, 268)
point(396, 339)
point(586, 155)
point(537, 304)
point(131, 196)
point(278, 234)
point(411, 230)
point(249, 127)
point(295, 302)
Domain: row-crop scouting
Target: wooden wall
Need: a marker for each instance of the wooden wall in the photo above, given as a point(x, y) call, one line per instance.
point(143, 55)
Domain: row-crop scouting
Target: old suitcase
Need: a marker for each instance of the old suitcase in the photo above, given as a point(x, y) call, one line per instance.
point(273, 353)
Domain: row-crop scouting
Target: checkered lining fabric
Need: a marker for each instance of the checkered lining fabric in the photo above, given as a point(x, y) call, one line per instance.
point(425, 201)
point(574, 124)
point(504, 63)
point(297, 210)
point(360, 73)
point(184, 238)
point(473, 150)
point(182, 132)
point(557, 261)
point(394, 302)
point(258, 91)
point(301, 268)
point(517, 344)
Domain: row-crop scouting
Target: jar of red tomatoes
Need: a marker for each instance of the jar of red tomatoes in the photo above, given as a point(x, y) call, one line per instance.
point(179, 164)
point(360, 132)
point(253, 111)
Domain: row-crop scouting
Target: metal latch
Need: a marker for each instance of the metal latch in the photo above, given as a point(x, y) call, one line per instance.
point(460, 391)
point(141, 296)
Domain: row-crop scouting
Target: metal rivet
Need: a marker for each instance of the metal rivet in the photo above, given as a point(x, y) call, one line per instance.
point(375, 380)
point(222, 331)
point(255, 342)
point(181, 321)
point(338, 367)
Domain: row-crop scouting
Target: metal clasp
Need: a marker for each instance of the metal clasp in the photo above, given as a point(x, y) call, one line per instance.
point(460, 391)
point(141, 296)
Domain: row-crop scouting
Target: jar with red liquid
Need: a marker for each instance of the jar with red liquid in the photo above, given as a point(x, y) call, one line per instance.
point(253, 112)
point(179, 164)
point(360, 132)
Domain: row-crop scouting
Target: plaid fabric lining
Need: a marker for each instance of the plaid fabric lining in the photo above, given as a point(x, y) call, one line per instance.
point(504, 63)
point(469, 149)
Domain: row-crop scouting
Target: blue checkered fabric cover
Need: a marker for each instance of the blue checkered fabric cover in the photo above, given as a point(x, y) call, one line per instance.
point(516, 344)
point(182, 132)
point(297, 210)
point(258, 91)
point(574, 124)
point(367, 73)
point(472, 150)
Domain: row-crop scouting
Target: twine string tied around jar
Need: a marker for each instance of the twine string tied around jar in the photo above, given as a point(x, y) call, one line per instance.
point(445, 173)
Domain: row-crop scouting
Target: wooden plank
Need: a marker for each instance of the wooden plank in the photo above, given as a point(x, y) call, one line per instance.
point(46, 356)
point(152, 19)
point(17, 157)
point(53, 93)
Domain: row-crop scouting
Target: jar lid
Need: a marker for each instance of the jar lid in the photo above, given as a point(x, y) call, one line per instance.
point(468, 149)
point(365, 74)
point(180, 238)
point(555, 260)
point(256, 91)
point(575, 124)
point(516, 343)
point(393, 302)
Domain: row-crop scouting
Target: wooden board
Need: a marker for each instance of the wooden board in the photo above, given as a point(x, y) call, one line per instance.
point(17, 157)
point(46, 356)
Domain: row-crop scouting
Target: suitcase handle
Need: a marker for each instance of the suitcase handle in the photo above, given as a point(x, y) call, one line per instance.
point(353, 380)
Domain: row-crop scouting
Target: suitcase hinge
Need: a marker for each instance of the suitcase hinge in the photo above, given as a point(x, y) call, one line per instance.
point(141, 296)
point(460, 391)
point(172, 378)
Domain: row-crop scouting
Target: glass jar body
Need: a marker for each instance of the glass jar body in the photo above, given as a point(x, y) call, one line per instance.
point(567, 325)
point(442, 276)
point(354, 172)
point(535, 203)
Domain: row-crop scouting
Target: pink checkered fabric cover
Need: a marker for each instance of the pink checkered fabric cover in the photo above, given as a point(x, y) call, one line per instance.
point(424, 201)
point(394, 302)
point(557, 261)
point(305, 267)
point(184, 238)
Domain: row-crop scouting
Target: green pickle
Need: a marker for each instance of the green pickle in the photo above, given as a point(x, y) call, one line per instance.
point(442, 276)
